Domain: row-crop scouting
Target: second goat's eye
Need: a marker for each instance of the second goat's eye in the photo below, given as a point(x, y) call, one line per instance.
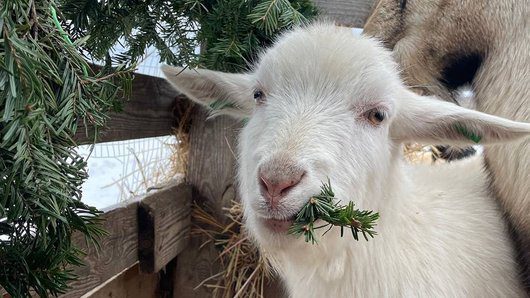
point(375, 116)
point(259, 96)
point(402, 4)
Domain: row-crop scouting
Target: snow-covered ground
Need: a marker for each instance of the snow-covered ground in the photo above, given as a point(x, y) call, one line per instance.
point(120, 170)
point(97, 189)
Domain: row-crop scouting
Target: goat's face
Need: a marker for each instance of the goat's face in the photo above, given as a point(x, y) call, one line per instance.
point(322, 104)
point(323, 108)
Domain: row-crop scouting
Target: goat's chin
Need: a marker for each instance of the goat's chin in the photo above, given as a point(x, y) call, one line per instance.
point(271, 235)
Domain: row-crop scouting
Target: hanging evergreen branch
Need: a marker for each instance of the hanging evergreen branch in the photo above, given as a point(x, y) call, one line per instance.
point(46, 90)
point(274, 15)
point(323, 207)
point(230, 32)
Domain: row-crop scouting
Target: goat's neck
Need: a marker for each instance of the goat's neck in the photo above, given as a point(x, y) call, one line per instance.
point(501, 78)
point(390, 188)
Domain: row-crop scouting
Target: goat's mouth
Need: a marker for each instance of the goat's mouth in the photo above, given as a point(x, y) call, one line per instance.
point(278, 225)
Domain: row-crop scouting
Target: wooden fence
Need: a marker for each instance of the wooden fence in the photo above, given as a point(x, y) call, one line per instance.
point(148, 233)
point(145, 234)
point(148, 252)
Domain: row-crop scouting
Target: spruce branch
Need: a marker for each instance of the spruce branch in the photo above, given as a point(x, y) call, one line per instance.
point(230, 33)
point(322, 207)
point(46, 89)
point(273, 15)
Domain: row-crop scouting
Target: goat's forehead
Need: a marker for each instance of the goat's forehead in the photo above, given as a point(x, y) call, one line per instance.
point(326, 54)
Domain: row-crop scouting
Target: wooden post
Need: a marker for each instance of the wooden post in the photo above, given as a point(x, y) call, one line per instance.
point(346, 13)
point(163, 227)
point(211, 169)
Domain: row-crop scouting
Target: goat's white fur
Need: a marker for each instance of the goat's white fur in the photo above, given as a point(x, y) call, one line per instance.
point(440, 232)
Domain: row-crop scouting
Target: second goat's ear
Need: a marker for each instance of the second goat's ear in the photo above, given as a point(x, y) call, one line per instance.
point(222, 93)
point(428, 120)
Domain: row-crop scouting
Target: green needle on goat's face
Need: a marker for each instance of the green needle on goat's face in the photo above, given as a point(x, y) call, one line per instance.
point(322, 207)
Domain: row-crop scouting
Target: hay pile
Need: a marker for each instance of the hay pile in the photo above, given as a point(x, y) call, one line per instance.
point(421, 154)
point(244, 270)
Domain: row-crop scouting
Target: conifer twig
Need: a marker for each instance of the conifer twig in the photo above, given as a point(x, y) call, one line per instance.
point(323, 207)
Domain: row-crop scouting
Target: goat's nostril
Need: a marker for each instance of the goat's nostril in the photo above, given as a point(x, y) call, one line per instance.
point(264, 184)
point(292, 183)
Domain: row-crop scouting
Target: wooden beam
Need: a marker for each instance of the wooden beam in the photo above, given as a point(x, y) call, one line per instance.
point(119, 250)
point(164, 221)
point(352, 13)
point(211, 170)
point(129, 283)
point(153, 110)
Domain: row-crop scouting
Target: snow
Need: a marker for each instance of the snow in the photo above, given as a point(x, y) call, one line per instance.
point(98, 190)
point(121, 170)
point(114, 171)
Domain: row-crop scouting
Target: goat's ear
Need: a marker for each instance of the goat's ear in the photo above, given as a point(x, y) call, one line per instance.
point(222, 93)
point(428, 120)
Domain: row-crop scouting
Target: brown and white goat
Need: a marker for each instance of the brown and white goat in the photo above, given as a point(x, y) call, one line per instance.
point(444, 44)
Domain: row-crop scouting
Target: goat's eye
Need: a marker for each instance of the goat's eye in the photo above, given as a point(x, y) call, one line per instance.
point(375, 116)
point(402, 4)
point(259, 96)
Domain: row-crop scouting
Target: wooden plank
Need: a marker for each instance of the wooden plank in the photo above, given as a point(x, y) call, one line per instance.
point(153, 110)
point(351, 13)
point(3, 293)
point(164, 222)
point(212, 159)
point(211, 169)
point(130, 283)
point(119, 250)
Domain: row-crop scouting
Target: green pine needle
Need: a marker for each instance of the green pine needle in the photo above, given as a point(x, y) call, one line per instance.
point(47, 89)
point(467, 133)
point(218, 105)
point(333, 214)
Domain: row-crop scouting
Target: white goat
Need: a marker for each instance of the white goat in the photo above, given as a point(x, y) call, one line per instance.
point(324, 104)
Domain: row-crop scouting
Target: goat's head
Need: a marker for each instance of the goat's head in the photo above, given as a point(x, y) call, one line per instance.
point(440, 45)
point(322, 103)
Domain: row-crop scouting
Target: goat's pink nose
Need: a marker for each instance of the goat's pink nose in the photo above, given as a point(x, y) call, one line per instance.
point(274, 188)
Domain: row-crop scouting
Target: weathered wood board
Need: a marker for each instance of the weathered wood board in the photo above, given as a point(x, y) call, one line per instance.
point(164, 222)
point(351, 13)
point(153, 110)
point(119, 250)
point(130, 283)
